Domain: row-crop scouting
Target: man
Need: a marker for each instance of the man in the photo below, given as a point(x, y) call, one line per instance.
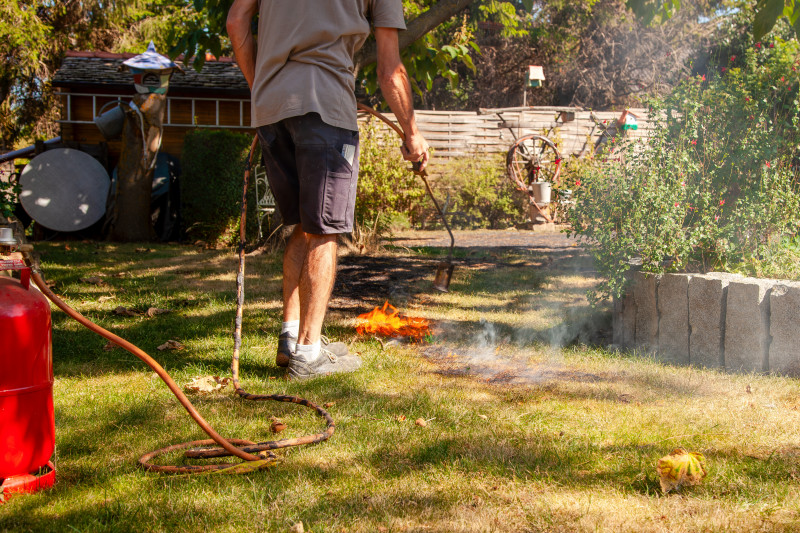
point(302, 81)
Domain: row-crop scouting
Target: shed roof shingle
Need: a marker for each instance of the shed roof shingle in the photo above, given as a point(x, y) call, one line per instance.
point(98, 69)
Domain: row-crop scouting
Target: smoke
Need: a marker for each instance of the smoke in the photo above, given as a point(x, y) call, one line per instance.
point(527, 351)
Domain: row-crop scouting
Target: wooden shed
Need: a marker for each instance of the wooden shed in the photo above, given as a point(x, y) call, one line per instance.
point(216, 97)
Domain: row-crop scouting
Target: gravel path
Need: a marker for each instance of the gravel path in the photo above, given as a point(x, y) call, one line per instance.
point(545, 239)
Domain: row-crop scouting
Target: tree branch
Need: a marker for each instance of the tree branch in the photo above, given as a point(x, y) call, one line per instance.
point(437, 14)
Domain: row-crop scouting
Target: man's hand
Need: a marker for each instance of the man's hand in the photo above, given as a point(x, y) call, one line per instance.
point(415, 149)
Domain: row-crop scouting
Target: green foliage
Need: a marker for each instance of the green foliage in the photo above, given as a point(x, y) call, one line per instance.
point(213, 163)
point(204, 31)
point(23, 49)
point(9, 192)
point(768, 12)
point(160, 21)
point(653, 10)
point(480, 195)
point(714, 187)
point(386, 188)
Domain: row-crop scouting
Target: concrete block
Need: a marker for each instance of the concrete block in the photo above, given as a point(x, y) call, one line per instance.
point(673, 318)
point(747, 325)
point(645, 295)
point(784, 327)
point(708, 295)
point(624, 321)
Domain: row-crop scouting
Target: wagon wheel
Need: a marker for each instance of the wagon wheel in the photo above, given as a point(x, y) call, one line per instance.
point(533, 158)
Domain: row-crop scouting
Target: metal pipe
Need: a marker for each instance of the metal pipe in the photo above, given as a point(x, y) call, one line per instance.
point(25, 152)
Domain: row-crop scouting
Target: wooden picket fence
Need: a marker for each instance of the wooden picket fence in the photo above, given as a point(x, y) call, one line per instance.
point(575, 131)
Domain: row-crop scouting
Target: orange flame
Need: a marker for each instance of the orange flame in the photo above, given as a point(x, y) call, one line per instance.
point(391, 324)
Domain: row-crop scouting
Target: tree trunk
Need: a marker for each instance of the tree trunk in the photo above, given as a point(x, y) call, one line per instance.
point(131, 214)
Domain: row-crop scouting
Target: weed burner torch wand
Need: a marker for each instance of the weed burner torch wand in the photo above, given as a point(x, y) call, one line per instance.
point(444, 270)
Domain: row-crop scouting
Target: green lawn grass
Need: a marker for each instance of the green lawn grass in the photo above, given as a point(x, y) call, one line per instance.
point(523, 433)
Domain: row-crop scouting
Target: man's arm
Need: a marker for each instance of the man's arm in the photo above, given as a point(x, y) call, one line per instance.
point(396, 89)
point(240, 17)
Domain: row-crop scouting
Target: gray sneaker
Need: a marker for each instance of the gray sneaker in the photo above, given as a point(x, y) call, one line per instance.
point(326, 363)
point(285, 354)
point(284, 349)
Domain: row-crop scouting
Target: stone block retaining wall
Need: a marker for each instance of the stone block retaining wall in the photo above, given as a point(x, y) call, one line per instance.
point(714, 320)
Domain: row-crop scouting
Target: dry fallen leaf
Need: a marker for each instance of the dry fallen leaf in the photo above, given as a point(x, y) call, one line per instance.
point(484, 417)
point(110, 345)
point(144, 250)
point(276, 426)
point(329, 404)
point(297, 528)
point(94, 280)
point(681, 468)
point(171, 345)
point(121, 274)
point(401, 418)
point(153, 311)
point(748, 390)
point(104, 299)
point(206, 384)
point(421, 422)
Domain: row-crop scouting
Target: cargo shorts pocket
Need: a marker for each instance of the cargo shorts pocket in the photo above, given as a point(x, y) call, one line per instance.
point(339, 190)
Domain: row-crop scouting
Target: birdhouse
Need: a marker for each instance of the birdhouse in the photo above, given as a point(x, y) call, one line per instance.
point(534, 77)
point(630, 123)
point(151, 71)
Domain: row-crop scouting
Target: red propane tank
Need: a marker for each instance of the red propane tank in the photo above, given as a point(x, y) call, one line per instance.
point(27, 423)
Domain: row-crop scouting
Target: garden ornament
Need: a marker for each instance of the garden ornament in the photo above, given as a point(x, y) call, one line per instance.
point(151, 71)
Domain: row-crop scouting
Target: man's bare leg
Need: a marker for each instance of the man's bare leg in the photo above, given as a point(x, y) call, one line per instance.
point(310, 359)
point(316, 283)
point(293, 259)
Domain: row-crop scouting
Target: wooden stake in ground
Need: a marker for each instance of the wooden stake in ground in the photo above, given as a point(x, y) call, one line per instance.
point(131, 215)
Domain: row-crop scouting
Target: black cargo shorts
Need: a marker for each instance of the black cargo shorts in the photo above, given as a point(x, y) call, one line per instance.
point(312, 168)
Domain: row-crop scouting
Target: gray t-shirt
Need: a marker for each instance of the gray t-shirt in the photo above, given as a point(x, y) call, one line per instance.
point(304, 59)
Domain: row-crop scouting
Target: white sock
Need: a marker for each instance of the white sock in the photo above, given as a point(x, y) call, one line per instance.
point(292, 326)
point(309, 352)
